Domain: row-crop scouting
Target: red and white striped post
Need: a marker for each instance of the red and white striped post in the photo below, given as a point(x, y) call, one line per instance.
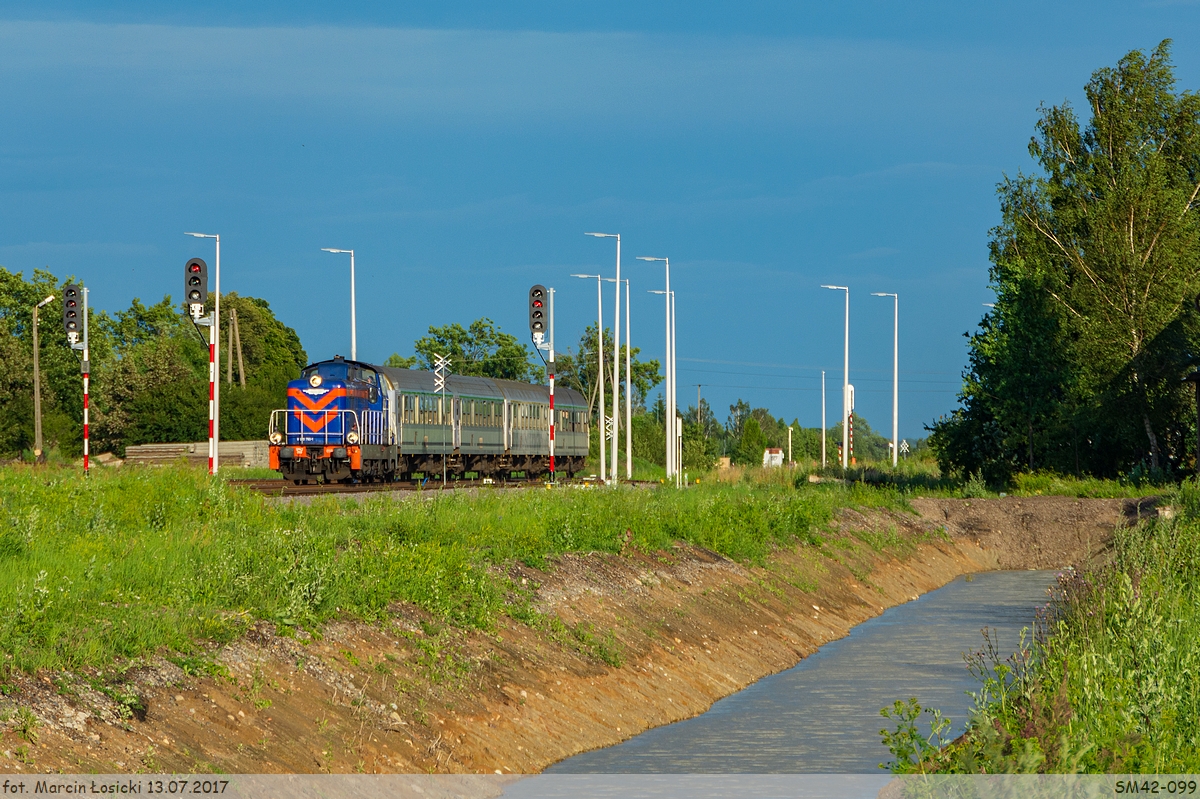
point(214, 362)
point(551, 368)
point(86, 376)
point(85, 416)
point(212, 388)
point(552, 414)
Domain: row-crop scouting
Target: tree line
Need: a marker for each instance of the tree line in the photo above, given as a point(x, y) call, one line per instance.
point(1081, 365)
point(149, 368)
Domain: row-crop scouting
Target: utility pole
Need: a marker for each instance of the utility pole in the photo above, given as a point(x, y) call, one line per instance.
point(237, 334)
point(669, 388)
point(600, 367)
point(823, 428)
point(628, 391)
point(229, 350)
point(846, 398)
point(895, 374)
point(353, 319)
point(37, 385)
point(616, 375)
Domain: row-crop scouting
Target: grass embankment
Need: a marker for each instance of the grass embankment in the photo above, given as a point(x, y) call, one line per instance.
point(921, 478)
point(1110, 683)
point(140, 561)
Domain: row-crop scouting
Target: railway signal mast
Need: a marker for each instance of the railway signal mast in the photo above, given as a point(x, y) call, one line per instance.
point(541, 327)
point(214, 352)
point(195, 291)
point(75, 321)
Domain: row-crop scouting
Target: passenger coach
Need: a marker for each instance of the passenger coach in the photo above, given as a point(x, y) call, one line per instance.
point(348, 420)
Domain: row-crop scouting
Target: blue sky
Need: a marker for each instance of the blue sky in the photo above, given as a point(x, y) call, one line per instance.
point(464, 149)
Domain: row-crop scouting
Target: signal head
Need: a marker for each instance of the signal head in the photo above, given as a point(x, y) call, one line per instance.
point(72, 295)
point(195, 283)
point(537, 309)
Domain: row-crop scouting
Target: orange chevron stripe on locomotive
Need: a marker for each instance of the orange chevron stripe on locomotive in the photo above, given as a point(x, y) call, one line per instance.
point(315, 407)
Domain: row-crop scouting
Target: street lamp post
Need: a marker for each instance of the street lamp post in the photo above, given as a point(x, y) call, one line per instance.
point(675, 404)
point(674, 428)
point(845, 381)
point(628, 393)
point(214, 364)
point(353, 322)
point(600, 369)
point(616, 376)
point(37, 384)
point(823, 428)
point(895, 373)
point(669, 388)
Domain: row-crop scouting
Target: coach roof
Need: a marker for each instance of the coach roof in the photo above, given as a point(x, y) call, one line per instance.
point(471, 386)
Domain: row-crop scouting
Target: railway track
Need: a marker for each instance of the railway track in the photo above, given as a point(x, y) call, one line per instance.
point(285, 488)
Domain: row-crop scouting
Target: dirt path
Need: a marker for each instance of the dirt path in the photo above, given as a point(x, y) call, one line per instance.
point(613, 645)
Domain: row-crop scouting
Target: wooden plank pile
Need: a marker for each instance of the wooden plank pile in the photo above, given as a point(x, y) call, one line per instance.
point(232, 453)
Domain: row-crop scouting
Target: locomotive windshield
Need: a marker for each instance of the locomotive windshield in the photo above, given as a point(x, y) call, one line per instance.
point(331, 370)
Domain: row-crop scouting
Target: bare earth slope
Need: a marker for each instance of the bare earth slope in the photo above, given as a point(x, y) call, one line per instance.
point(1035, 532)
point(621, 644)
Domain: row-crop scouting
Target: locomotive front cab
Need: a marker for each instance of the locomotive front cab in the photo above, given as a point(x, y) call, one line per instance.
point(319, 435)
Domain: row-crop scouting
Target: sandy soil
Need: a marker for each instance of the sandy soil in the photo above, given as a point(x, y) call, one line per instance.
point(626, 642)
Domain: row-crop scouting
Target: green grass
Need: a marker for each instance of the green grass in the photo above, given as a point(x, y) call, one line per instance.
point(248, 473)
point(642, 468)
point(923, 479)
point(1108, 684)
point(136, 561)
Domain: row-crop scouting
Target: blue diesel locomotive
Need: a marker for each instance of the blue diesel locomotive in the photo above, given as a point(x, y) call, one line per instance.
point(348, 420)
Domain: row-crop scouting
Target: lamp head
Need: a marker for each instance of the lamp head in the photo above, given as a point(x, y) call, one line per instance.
point(836, 288)
point(201, 235)
point(46, 301)
point(604, 235)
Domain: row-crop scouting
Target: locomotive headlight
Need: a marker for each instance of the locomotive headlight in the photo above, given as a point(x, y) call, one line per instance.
point(277, 438)
point(352, 437)
point(314, 381)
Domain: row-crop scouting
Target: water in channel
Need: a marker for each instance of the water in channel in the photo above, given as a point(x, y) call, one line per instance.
point(822, 716)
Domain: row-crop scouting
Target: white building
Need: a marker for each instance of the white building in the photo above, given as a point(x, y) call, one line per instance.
point(772, 457)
